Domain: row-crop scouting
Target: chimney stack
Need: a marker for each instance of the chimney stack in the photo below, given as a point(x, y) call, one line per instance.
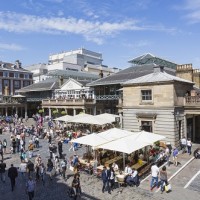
point(158, 68)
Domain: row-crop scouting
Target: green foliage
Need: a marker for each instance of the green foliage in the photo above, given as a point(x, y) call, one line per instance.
point(63, 112)
point(41, 111)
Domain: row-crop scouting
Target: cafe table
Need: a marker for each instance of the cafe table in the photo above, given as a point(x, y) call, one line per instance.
point(111, 161)
point(138, 166)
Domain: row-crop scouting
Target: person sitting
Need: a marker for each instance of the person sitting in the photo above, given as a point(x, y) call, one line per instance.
point(128, 170)
point(115, 167)
point(133, 179)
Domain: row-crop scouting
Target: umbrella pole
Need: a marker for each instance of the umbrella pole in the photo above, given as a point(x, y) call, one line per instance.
point(123, 160)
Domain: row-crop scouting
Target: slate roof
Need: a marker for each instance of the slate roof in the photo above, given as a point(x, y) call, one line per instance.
point(12, 67)
point(48, 84)
point(155, 77)
point(128, 74)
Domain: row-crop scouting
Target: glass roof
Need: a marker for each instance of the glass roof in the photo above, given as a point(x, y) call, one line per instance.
point(149, 59)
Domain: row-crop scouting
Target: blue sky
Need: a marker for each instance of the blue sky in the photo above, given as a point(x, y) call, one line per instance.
point(30, 30)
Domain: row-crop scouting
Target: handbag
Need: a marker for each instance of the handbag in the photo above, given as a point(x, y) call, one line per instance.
point(168, 187)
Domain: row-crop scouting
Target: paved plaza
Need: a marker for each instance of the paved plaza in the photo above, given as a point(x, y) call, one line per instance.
point(91, 185)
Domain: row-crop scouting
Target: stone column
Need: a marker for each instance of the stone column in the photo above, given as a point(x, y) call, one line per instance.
point(25, 111)
point(16, 110)
point(49, 112)
point(6, 108)
point(74, 111)
point(185, 126)
point(94, 110)
point(194, 126)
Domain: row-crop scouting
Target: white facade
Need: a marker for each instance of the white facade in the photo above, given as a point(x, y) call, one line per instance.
point(79, 57)
point(63, 66)
point(72, 89)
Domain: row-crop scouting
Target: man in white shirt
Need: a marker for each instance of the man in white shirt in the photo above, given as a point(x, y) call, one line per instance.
point(154, 174)
point(183, 144)
point(128, 169)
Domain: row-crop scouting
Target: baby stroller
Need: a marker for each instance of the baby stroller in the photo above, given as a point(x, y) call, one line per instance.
point(197, 153)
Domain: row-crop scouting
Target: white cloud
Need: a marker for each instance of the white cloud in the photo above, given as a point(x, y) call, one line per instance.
point(191, 10)
point(95, 31)
point(12, 47)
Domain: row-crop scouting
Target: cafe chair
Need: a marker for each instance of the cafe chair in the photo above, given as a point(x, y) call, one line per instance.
point(120, 181)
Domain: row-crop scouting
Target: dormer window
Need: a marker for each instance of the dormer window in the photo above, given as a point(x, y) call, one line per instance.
point(16, 75)
point(5, 74)
point(26, 76)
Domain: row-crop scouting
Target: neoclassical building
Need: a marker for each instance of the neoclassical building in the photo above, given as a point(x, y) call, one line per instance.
point(13, 77)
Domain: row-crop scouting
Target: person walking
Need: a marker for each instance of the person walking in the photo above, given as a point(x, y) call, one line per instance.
point(30, 167)
point(76, 186)
point(112, 178)
point(63, 168)
point(189, 146)
point(154, 174)
point(5, 143)
point(167, 154)
point(30, 188)
point(163, 179)
point(60, 150)
point(105, 176)
point(2, 171)
point(12, 174)
point(50, 167)
point(175, 156)
point(183, 144)
point(1, 150)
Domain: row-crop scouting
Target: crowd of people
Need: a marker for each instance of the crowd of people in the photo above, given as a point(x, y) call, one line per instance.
point(57, 134)
point(33, 166)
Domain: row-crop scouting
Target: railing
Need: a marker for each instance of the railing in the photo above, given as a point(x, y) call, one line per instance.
point(107, 97)
point(192, 100)
point(67, 102)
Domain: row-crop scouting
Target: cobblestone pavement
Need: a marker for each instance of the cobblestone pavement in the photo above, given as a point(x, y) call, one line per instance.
point(91, 186)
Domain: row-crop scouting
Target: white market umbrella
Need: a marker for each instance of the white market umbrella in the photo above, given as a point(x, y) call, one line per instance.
point(132, 142)
point(64, 118)
point(109, 117)
point(96, 139)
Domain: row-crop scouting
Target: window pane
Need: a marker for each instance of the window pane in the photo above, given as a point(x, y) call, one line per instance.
point(146, 95)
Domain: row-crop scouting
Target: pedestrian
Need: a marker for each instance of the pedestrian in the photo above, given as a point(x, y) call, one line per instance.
point(12, 174)
point(14, 145)
point(30, 167)
point(183, 144)
point(2, 171)
point(105, 176)
point(175, 156)
point(63, 168)
point(30, 188)
point(76, 186)
point(1, 150)
point(163, 179)
point(154, 174)
point(189, 146)
point(51, 151)
point(112, 178)
point(60, 150)
point(50, 167)
point(4, 146)
point(167, 154)
point(37, 142)
point(42, 173)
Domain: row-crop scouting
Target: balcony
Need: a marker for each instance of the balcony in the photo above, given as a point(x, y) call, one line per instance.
point(193, 101)
point(68, 102)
